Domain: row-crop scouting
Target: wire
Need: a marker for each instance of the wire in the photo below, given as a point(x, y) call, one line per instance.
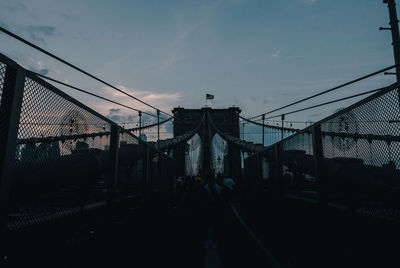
point(89, 93)
point(275, 121)
point(77, 68)
point(149, 126)
point(329, 102)
point(329, 90)
point(269, 126)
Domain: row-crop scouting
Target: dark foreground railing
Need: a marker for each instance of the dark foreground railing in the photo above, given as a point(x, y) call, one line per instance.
point(59, 157)
point(349, 160)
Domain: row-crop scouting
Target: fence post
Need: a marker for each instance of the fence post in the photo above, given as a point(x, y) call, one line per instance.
point(263, 132)
point(113, 164)
point(278, 168)
point(10, 109)
point(319, 164)
point(158, 126)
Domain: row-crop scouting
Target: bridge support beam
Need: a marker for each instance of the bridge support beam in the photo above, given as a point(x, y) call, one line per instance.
point(179, 156)
point(10, 109)
point(113, 165)
point(278, 168)
point(235, 162)
point(206, 149)
point(319, 164)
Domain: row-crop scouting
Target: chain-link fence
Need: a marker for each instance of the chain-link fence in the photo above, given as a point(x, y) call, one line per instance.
point(350, 159)
point(63, 157)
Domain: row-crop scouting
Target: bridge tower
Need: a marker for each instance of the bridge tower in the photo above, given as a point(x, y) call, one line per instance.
point(226, 120)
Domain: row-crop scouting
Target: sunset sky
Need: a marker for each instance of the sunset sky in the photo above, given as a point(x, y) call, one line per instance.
point(254, 54)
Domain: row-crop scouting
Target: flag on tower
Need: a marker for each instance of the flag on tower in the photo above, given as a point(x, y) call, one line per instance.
point(209, 97)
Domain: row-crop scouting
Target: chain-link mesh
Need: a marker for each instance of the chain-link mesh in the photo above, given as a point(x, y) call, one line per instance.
point(361, 150)
point(63, 160)
point(127, 138)
point(5, 99)
point(130, 166)
point(298, 165)
point(370, 128)
point(59, 156)
point(362, 155)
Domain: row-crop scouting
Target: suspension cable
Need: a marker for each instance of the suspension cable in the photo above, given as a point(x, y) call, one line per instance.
point(329, 90)
point(269, 126)
point(337, 100)
point(149, 126)
point(77, 68)
point(89, 93)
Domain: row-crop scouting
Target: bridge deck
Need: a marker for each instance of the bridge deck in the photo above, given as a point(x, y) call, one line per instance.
point(132, 237)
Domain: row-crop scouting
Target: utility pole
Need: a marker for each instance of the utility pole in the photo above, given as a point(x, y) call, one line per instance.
point(263, 119)
point(394, 28)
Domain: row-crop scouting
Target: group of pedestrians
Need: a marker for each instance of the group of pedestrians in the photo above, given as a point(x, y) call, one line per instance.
point(202, 202)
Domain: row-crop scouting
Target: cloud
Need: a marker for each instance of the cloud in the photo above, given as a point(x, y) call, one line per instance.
point(40, 33)
point(120, 116)
point(114, 115)
point(157, 99)
point(168, 62)
point(310, 2)
point(16, 6)
point(277, 54)
point(37, 66)
point(163, 101)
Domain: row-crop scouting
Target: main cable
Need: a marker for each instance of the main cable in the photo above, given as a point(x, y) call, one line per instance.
point(337, 100)
point(78, 69)
point(329, 90)
point(90, 93)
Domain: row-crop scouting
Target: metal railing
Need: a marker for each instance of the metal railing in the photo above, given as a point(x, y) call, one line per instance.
point(59, 157)
point(350, 159)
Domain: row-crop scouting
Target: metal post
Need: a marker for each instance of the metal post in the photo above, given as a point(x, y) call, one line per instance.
point(278, 168)
point(283, 118)
point(140, 123)
point(113, 164)
point(263, 119)
point(158, 125)
point(319, 164)
point(10, 109)
point(242, 139)
point(206, 146)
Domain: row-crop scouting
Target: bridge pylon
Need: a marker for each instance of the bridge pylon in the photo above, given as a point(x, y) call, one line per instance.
point(226, 120)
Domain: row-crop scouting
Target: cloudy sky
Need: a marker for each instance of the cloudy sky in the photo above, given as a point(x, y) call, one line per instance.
point(255, 54)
